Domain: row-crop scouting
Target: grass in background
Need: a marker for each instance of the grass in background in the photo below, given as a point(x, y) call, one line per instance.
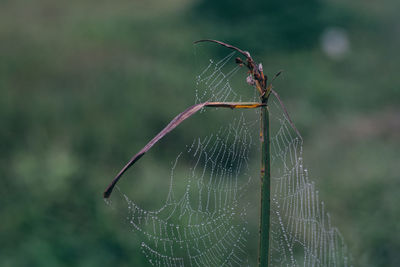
point(74, 79)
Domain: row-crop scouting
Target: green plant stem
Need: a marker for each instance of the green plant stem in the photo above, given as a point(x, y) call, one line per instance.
point(263, 254)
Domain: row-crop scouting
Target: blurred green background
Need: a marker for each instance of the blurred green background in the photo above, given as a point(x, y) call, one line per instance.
point(84, 84)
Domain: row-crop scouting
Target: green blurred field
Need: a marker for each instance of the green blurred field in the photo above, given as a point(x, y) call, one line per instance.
point(84, 84)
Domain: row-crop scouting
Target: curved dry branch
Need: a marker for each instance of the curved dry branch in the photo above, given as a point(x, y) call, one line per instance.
point(172, 125)
point(244, 53)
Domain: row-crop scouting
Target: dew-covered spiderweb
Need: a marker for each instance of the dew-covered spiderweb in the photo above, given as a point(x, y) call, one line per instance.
point(210, 213)
point(301, 230)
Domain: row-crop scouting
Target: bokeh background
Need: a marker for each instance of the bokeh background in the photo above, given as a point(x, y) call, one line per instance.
point(84, 84)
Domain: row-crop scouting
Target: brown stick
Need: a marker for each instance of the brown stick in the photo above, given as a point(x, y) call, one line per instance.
point(172, 125)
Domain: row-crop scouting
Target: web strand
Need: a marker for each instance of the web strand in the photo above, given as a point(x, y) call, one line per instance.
point(302, 232)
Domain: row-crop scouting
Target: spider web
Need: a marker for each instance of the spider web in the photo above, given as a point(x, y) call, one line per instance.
point(210, 215)
point(301, 230)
